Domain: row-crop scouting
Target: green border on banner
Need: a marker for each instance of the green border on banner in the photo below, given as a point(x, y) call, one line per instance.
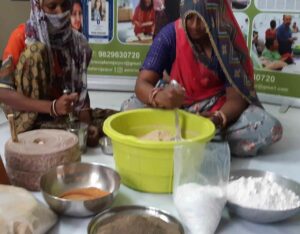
point(277, 83)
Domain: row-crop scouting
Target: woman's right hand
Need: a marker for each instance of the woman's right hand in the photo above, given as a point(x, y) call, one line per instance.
point(170, 97)
point(64, 103)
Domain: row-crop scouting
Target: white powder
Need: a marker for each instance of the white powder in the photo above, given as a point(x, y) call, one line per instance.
point(261, 193)
point(200, 207)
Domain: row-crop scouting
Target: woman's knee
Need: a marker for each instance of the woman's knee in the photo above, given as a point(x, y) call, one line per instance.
point(263, 139)
point(262, 131)
point(243, 148)
point(276, 130)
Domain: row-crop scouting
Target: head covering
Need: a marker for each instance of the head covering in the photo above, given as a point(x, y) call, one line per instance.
point(227, 42)
point(65, 44)
point(50, 29)
point(36, 26)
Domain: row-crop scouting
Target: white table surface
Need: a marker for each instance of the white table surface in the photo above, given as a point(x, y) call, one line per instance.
point(228, 225)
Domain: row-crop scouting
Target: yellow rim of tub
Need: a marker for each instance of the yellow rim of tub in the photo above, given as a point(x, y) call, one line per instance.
point(134, 141)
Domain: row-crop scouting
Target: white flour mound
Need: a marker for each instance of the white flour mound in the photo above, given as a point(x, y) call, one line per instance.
point(261, 193)
point(200, 206)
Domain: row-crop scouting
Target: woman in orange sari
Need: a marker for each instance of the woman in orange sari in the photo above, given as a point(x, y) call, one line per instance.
point(44, 58)
point(14, 50)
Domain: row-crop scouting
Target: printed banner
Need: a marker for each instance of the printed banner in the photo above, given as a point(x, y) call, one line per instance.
point(271, 30)
point(118, 47)
point(121, 31)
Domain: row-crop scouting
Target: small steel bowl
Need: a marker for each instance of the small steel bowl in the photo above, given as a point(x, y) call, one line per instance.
point(112, 213)
point(259, 215)
point(79, 175)
point(106, 145)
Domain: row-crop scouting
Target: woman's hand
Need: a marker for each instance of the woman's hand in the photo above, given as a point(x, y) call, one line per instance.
point(230, 111)
point(170, 97)
point(216, 119)
point(64, 103)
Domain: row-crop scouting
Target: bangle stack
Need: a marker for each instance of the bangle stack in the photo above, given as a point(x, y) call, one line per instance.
point(222, 117)
point(53, 112)
point(152, 95)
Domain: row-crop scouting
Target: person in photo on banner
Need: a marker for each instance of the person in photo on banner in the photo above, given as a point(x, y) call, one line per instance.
point(161, 19)
point(97, 14)
point(284, 36)
point(271, 59)
point(44, 58)
point(205, 52)
point(143, 18)
point(271, 32)
point(77, 15)
point(166, 11)
point(295, 28)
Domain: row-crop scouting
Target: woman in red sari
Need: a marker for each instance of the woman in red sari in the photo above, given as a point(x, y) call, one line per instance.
point(143, 18)
point(206, 54)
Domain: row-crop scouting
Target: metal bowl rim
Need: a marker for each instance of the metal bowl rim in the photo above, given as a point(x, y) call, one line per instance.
point(82, 163)
point(120, 209)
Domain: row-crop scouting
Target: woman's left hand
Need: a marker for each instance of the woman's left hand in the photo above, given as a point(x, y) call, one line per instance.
point(233, 107)
point(64, 103)
point(214, 118)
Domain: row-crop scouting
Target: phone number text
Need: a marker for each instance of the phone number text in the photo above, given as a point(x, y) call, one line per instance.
point(119, 54)
point(265, 78)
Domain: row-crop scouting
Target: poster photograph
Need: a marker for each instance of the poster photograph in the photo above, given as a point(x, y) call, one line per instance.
point(135, 21)
point(273, 40)
point(100, 18)
point(114, 64)
point(271, 48)
point(121, 31)
point(119, 52)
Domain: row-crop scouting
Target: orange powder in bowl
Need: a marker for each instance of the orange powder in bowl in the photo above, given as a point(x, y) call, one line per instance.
point(89, 193)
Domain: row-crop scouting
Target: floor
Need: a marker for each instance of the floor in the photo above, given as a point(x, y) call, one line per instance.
point(287, 146)
point(282, 158)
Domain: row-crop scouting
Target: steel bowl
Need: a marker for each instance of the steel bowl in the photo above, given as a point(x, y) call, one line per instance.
point(106, 145)
point(259, 215)
point(112, 213)
point(79, 175)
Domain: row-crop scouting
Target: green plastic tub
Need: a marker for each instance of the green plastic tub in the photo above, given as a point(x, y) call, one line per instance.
point(148, 165)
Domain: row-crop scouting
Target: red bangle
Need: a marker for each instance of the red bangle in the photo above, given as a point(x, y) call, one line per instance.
point(152, 95)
